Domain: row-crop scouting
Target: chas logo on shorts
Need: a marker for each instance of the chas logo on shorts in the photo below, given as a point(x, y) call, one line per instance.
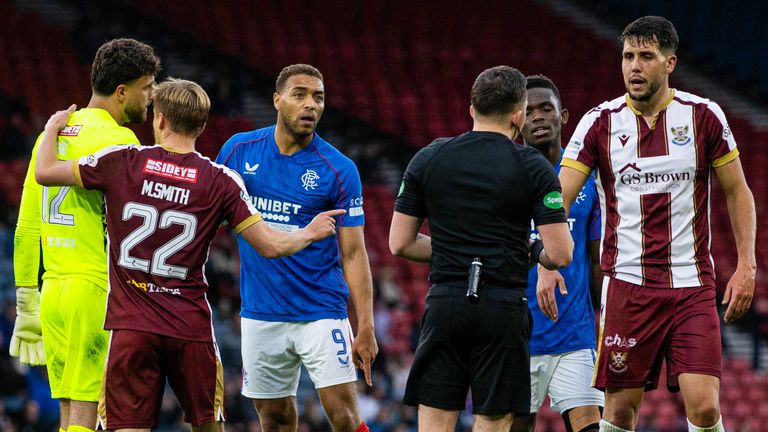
point(619, 341)
point(618, 362)
point(170, 170)
point(553, 200)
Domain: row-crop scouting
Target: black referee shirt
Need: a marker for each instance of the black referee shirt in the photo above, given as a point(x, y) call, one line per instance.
point(480, 191)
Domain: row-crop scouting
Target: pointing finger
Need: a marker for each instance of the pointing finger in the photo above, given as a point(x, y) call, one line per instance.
point(334, 212)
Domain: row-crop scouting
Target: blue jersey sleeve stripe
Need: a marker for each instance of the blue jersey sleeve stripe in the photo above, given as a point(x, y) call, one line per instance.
point(237, 144)
point(338, 179)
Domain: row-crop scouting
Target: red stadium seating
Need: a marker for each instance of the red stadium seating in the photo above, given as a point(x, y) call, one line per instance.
point(385, 63)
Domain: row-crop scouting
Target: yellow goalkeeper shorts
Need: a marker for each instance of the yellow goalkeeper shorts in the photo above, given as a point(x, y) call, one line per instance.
point(72, 321)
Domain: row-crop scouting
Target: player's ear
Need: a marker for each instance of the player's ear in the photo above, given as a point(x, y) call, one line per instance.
point(564, 116)
point(276, 100)
point(121, 92)
point(472, 111)
point(671, 63)
point(161, 121)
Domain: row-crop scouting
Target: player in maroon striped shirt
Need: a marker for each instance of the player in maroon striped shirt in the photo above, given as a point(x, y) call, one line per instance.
point(654, 150)
point(164, 205)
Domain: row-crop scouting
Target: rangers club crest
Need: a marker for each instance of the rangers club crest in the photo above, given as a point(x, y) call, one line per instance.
point(309, 180)
point(618, 361)
point(680, 135)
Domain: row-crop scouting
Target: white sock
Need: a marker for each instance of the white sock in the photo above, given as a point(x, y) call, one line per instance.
point(606, 426)
point(718, 427)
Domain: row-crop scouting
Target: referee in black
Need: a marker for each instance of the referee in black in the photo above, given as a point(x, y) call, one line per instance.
point(480, 192)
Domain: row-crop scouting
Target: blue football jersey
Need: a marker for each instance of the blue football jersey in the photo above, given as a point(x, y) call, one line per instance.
point(575, 328)
point(289, 191)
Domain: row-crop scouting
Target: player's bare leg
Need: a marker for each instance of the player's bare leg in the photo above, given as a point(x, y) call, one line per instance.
point(701, 394)
point(622, 405)
point(524, 423)
point(581, 417)
point(277, 415)
point(499, 423)
point(578, 418)
point(64, 413)
point(82, 414)
point(436, 419)
point(340, 404)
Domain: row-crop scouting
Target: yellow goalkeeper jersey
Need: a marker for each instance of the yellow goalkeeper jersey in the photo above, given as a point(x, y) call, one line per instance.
point(68, 222)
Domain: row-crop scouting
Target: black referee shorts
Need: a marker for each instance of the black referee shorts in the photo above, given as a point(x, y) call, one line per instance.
point(482, 347)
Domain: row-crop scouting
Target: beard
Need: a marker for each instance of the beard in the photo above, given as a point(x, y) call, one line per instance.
point(294, 129)
point(653, 87)
point(136, 113)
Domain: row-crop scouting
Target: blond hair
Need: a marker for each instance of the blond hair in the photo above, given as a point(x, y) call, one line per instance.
point(184, 104)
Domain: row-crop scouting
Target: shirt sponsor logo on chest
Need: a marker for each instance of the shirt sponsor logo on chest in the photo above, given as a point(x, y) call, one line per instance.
point(640, 180)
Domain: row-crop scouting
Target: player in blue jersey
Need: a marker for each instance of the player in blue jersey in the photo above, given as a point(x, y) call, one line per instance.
point(294, 309)
point(563, 338)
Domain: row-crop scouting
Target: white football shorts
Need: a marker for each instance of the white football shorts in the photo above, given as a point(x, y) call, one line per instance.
point(274, 351)
point(567, 377)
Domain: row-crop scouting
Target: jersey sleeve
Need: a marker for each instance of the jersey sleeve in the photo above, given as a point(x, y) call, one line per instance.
point(594, 222)
point(26, 238)
point(225, 156)
point(99, 170)
point(546, 194)
point(410, 197)
point(349, 196)
point(581, 151)
point(720, 145)
point(238, 210)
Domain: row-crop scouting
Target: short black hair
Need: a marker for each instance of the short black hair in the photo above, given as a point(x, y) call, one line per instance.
point(651, 29)
point(498, 90)
point(542, 81)
point(295, 69)
point(121, 61)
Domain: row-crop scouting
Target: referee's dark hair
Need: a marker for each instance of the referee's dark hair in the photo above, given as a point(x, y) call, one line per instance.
point(498, 91)
point(651, 29)
point(121, 61)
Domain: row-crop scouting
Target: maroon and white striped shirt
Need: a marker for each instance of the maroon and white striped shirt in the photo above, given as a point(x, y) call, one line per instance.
point(163, 210)
point(654, 185)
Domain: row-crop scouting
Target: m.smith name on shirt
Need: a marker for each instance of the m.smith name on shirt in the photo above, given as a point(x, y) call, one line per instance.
point(163, 191)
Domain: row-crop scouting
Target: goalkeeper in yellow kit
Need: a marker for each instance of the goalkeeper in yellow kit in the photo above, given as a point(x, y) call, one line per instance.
point(62, 326)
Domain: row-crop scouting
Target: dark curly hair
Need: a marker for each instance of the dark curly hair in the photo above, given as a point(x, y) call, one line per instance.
point(121, 61)
point(498, 90)
point(295, 69)
point(651, 29)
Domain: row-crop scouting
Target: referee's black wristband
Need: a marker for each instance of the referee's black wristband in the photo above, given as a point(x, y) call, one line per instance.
point(536, 249)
